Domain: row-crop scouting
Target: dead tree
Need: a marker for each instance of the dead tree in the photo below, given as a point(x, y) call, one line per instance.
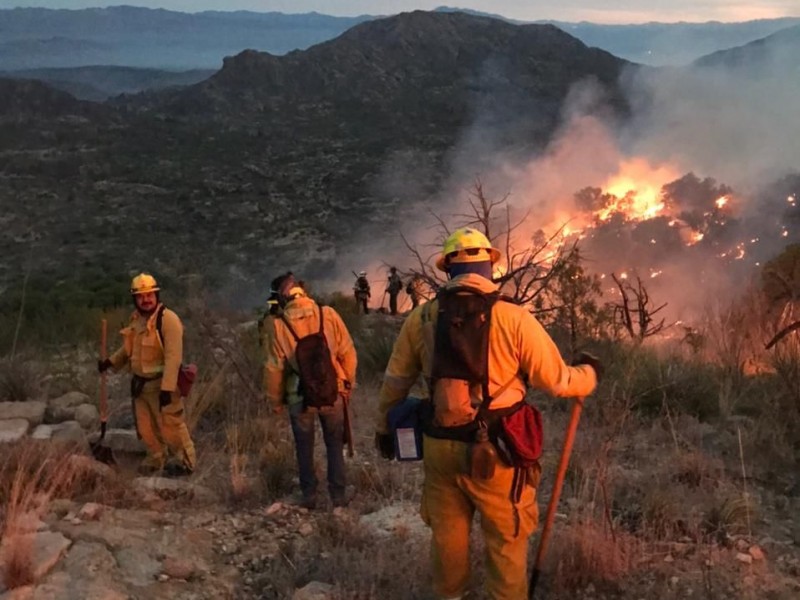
point(527, 265)
point(635, 312)
point(783, 333)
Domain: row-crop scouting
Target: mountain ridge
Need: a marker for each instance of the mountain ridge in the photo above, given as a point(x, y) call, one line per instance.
point(177, 40)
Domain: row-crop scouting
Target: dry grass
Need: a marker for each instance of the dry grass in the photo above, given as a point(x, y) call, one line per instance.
point(18, 567)
point(731, 515)
point(586, 552)
point(277, 468)
point(19, 380)
point(31, 474)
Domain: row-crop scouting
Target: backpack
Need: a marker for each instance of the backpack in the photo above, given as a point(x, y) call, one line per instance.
point(395, 284)
point(461, 356)
point(319, 384)
point(186, 373)
point(460, 370)
point(461, 360)
point(362, 285)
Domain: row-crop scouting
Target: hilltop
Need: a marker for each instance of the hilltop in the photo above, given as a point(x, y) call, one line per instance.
point(264, 164)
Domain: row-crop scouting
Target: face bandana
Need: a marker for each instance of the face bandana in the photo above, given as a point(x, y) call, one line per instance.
point(483, 268)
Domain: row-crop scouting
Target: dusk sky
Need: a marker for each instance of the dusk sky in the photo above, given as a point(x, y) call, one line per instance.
point(598, 11)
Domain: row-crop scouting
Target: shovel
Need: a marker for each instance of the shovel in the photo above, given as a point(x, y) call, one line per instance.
point(100, 452)
point(574, 419)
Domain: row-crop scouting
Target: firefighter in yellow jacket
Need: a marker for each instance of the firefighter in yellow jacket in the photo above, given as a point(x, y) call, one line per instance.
point(300, 320)
point(154, 358)
point(520, 354)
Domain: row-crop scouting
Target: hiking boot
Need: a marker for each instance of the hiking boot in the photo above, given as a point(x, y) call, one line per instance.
point(339, 502)
point(177, 470)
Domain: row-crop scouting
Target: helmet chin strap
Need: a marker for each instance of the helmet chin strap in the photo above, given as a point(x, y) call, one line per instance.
point(483, 268)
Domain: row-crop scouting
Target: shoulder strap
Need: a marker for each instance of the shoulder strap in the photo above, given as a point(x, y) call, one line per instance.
point(160, 324)
point(289, 327)
point(292, 331)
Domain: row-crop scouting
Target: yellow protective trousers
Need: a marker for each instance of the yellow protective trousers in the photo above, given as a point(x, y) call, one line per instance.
point(163, 429)
point(450, 498)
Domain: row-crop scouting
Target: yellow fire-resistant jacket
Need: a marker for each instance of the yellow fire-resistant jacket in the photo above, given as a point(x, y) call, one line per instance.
point(520, 352)
point(142, 351)
point(281, 383)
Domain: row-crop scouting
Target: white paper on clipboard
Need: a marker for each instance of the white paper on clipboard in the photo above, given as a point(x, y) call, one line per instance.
point(406, 444)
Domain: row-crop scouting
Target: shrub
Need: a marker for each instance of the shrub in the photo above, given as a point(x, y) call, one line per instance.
point(586, 553)
point(19, 380)
point(374, 350)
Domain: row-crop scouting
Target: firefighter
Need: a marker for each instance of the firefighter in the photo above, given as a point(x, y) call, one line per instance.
point(362, 292)
point(152, 348)
point(393, 288)
point(265, 323)
point(291, 380)
point(520, 354)
point(412, 289)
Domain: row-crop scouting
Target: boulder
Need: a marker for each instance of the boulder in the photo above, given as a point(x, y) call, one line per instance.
point(178, 568)
point(137, 566)
point(316, 590)
point(171, 489)
point(71, 433)
point(42, 432)
point(87, 465)
point(63, 408)
point(121, 440)
point(87, 416)
point(32, 411)
point(68, 400)
point(12, 430)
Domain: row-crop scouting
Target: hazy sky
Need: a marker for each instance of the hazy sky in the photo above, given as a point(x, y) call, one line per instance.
point(599, 11)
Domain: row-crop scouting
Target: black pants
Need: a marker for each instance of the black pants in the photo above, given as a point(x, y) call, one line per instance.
point(393, 303)
point(361, 303)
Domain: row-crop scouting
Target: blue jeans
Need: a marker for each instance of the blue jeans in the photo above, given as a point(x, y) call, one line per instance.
point(332, 421)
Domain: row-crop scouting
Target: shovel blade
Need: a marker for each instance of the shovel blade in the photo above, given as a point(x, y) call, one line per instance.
point(104, 454)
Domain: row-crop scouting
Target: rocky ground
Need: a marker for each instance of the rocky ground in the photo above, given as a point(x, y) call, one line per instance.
point(650, 509)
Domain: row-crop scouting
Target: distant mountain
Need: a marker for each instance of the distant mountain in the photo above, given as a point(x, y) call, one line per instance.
point(98, 83)
point(672, 43)
point(162, 39)
point(25, 98)
point(778, 53)
point(435, 69)
point(278, 161)
point(141, 37)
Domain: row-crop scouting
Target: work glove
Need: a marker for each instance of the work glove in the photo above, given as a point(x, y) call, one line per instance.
point(384, 442)
point(103, 365)
point(164, 398)
point(584, 358)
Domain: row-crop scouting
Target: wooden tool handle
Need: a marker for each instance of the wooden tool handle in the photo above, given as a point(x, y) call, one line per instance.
point(103, 356)
point(566, 451)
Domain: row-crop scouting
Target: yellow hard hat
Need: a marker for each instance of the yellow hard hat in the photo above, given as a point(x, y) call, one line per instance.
point(466, 245)
point(144, 283)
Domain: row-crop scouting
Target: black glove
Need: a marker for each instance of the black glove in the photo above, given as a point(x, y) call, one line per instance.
point(384, 442)
point(584, 358)
point(164, 398)
point(103, 365)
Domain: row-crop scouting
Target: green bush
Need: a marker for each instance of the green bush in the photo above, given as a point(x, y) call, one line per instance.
point(19, 380)
point(652, 382)
point(345, 305)
point(374, 348)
